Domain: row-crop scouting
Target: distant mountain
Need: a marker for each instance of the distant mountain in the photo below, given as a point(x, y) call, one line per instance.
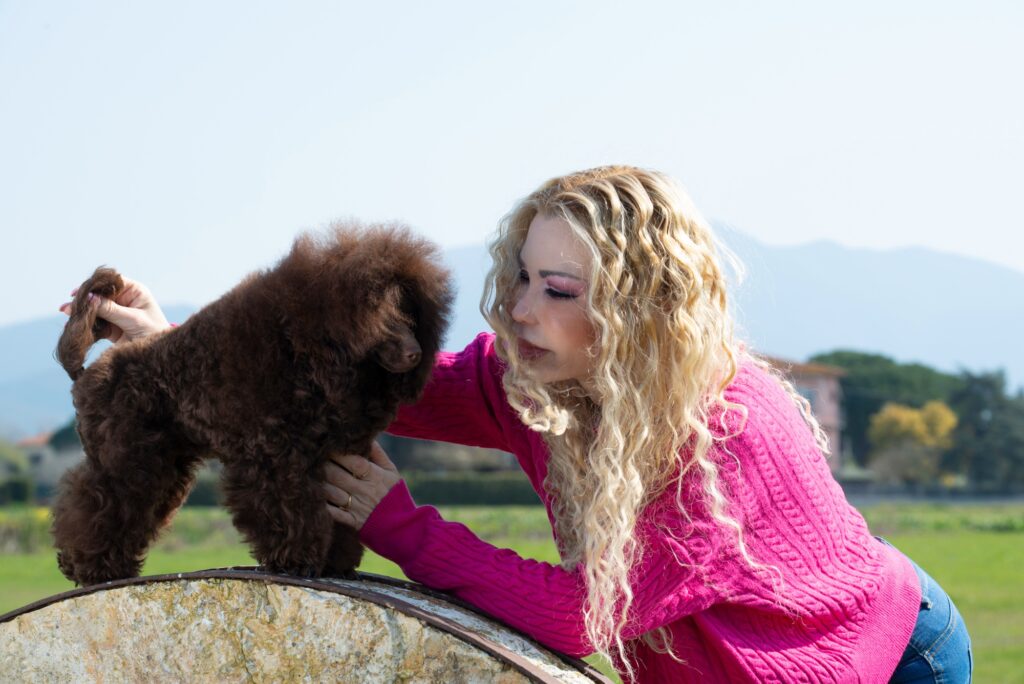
point(35, 392)
point(946, 311)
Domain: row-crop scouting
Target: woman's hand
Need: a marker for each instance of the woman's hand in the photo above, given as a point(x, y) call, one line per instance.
point(356, 485)
point(134, 313)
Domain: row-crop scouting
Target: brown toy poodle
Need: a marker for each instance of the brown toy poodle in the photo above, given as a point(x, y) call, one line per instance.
point(296, 363)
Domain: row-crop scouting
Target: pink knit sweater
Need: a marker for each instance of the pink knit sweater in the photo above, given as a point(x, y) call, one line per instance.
point(842, 610)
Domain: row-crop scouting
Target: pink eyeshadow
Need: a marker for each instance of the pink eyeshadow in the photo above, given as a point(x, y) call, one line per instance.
point(566, 285)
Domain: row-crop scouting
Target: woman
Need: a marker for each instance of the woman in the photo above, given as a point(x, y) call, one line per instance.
point(701, 533)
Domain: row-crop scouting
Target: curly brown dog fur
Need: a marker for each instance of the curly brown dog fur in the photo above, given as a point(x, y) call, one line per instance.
point(304, 360)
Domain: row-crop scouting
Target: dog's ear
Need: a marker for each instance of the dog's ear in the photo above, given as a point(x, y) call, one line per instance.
point(378, 327)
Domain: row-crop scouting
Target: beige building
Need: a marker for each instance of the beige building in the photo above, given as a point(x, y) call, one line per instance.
point(820, 385)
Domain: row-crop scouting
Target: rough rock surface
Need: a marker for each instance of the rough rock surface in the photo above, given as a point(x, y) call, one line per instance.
point(237, 630)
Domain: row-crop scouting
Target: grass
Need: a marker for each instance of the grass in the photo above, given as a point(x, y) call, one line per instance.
point(202, 538)
point(975, 552)
point(981, 571)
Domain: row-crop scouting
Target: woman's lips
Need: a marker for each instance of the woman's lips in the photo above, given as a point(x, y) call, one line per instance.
point(529, 351)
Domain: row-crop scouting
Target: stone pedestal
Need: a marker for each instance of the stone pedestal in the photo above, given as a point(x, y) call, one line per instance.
point(242, 625)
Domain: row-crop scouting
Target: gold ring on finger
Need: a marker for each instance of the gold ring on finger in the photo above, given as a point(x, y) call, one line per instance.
point(348, 503)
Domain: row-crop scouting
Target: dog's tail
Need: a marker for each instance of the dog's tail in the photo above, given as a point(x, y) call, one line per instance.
point(84, 327)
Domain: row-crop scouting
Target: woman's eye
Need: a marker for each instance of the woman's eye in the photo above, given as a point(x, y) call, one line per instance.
point(554, 293)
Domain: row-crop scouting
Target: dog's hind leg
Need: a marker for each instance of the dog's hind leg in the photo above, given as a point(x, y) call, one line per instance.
point(108, 513)
point(278, 505)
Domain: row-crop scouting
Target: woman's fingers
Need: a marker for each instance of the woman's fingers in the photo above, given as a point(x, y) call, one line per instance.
point(339, 483)
point(362, 467)
point(133, 295)
point(116, 332)
point(340, 477)
point(133, 313)
point(345, 517)
point(355, 485)
point(343, 489)
point(380, 459)
point(338, 497)
point(348, 500)
point(357, 466)
point(65, 308)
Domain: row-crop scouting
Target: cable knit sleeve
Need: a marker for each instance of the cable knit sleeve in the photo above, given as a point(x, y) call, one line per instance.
point(462, 402)
point(539, 599)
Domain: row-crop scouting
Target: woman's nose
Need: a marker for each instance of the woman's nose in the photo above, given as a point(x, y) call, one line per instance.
point(522, 312)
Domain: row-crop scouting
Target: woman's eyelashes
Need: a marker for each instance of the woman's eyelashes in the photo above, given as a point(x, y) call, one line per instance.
point(553, 292)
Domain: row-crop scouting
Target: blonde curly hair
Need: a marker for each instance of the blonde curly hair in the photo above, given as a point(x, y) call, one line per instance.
point(664, 353)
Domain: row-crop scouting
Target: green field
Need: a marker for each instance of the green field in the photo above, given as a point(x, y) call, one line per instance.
point(975, 552)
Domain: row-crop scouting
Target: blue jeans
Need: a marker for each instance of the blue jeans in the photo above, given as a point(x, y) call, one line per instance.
point(940, 648)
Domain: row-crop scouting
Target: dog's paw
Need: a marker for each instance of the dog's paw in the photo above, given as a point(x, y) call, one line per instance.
point(306, 571)
point(347, 572)
point(88, 570)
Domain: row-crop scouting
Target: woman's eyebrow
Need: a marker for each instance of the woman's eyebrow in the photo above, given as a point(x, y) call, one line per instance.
point(546, 274)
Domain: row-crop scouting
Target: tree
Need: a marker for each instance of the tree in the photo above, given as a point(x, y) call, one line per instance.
point(872, 380)
point(13, 461)
point(1008, 438)
point(65, 436)
point(907, 443)
point(15, 475)
point(989, 440)
point(939, 422)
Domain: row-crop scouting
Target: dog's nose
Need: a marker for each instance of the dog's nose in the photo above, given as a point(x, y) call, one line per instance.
point(412, 358)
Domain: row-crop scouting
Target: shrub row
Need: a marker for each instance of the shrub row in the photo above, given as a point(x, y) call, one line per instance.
point(465, 488)
point(502, 488)
point(24, 529)
point(16, 490)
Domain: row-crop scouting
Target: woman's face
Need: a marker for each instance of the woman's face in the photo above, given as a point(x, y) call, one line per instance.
point(550, 318)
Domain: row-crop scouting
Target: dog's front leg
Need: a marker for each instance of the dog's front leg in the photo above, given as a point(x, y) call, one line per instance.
point(278, 506)
point(344, 553)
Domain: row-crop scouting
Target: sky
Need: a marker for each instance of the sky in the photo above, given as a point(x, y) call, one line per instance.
point(187, 143)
